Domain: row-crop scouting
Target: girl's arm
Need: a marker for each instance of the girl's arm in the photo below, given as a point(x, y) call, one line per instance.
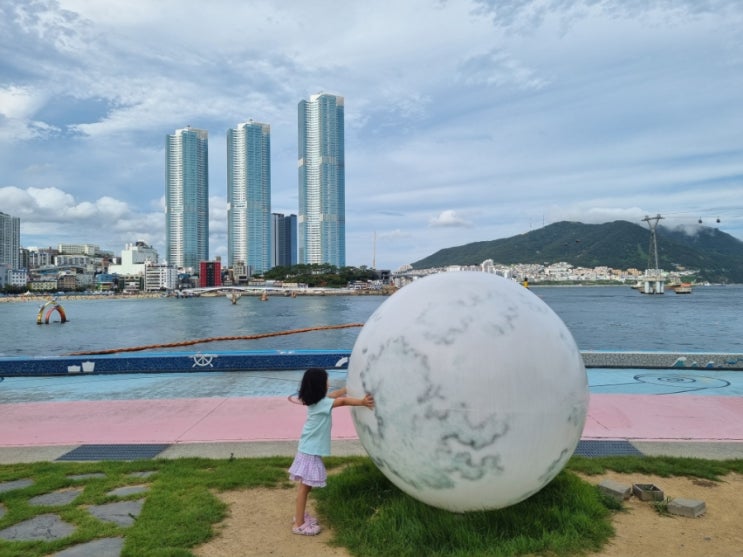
point(342, 400)
point(337, 393)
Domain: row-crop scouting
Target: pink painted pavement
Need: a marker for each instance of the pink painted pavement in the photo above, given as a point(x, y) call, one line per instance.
point(200, 420)
point(170, 421)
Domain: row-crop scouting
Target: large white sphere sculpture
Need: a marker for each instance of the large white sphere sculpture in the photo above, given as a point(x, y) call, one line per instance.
point(480, 391)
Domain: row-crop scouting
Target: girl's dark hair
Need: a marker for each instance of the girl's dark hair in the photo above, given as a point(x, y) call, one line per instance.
point(314, 386)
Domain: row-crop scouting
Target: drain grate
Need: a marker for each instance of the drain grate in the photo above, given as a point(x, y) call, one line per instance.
point(114, 452)
point(606, 448)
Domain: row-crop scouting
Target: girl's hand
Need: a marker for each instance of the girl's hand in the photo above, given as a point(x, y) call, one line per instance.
point(368, 401)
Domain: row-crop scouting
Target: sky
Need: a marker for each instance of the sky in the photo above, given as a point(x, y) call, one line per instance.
point(465, 120)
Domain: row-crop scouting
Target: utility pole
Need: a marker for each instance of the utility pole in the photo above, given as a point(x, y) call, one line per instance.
point(653, 240)
point(653, 282)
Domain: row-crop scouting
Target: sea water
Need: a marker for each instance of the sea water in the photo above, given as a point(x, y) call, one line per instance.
point(612, 318)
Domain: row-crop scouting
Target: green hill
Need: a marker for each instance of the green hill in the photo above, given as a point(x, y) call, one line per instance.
point(621, 245)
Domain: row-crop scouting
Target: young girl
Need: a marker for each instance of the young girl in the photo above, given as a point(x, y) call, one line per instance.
point(308, 467)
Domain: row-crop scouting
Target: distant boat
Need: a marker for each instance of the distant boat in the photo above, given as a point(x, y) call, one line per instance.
point(683, 288)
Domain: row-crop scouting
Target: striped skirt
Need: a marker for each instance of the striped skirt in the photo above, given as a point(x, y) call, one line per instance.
point(308, 469)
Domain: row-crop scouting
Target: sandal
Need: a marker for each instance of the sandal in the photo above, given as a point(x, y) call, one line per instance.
point(309, 519)
point(306, 529)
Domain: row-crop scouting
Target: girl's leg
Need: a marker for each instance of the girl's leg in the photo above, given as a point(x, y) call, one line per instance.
point(303, 492)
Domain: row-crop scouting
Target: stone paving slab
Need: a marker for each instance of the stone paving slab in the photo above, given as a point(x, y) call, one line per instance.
point(56, 498)
point(128, 490)
point(105, 547)
point(44, 527)
point(122, 514)
point(49, 527)
point(91, 476)
point(15, 484)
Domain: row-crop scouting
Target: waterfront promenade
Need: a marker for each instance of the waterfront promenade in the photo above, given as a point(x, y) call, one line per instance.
point(696, 413)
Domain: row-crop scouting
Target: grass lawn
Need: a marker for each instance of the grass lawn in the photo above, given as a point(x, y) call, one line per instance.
point(367, 513)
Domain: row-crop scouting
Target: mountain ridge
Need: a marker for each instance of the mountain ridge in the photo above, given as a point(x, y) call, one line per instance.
point(716, 255)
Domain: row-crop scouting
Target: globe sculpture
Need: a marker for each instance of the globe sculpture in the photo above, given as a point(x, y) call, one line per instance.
point(480, 391)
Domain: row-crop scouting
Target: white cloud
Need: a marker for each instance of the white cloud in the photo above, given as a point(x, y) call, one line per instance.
point(497, 68)
point(50, 216)
point(19, 102)
point(449, 218)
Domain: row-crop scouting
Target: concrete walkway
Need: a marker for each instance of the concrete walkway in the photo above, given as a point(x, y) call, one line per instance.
point(271, 425)
point(674, 412)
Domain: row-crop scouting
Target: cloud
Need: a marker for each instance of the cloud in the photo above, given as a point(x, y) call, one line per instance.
point(524, 112)
point(18, 105)
point(449, 218)
point(498, 68)
point(53, 213)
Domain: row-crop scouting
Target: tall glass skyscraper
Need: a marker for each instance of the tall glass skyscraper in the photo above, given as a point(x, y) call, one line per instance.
point(249, 196)
point(187, 198)
point(10, 241)
point(321, 223)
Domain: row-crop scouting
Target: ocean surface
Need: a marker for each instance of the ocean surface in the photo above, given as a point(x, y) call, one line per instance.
point(611, 318)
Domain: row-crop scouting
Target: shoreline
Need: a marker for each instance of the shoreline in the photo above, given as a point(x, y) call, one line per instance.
point(42, 298)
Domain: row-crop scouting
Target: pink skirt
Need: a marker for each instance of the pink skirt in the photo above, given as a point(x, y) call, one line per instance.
point(308, 469)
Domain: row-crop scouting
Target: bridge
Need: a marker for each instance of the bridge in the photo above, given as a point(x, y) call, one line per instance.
point(255, 290)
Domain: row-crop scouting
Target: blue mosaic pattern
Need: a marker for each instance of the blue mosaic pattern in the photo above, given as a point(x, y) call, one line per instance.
point(180, 362)
point(280, 360)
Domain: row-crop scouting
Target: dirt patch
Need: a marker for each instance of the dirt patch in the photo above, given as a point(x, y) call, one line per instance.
point(259, 523)
point(641, 530)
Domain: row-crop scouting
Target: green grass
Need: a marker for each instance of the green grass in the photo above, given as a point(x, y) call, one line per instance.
point(367, 514)
point(179, 513)
point(659, 466)
point(372, 517)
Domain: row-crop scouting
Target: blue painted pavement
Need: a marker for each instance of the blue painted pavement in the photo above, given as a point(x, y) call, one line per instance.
point(284, 383)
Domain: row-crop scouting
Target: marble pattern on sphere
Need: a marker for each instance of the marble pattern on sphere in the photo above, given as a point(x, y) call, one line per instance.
point(481, 394)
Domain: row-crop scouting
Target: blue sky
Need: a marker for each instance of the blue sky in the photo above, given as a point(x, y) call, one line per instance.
point(465, 120)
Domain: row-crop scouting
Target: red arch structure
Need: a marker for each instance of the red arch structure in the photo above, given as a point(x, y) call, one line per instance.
point(53, 306)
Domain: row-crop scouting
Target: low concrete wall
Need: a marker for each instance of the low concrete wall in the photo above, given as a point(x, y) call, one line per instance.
point(258, 360)
point(663, 360)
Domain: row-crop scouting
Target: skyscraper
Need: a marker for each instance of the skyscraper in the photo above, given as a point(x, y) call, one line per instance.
point(187, 198)
point(283, 240)
point(321, 223)
point(10, 241)
point(249, 196)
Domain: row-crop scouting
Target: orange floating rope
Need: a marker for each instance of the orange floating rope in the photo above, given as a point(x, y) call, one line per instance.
point(215, 339)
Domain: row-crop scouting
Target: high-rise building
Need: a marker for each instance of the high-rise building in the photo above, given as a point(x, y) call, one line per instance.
point(10, 241)
point(321, 223)
point(249, 196)
point(283, 240)
point(135, 258)
point(187, 198)
point(210, 273)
